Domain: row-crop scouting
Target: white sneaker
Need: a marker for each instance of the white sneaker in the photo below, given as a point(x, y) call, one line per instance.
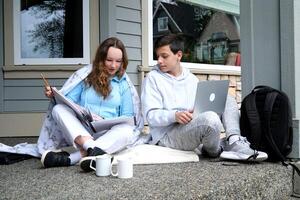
point(240, 150)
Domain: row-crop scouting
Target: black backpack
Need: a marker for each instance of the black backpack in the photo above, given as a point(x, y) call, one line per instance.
point(266, 121)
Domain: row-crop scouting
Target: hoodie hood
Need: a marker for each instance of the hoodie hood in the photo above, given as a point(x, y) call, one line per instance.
point(185, 73)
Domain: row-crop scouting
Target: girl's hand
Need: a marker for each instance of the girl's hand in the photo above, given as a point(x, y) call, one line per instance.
point(183, 117)
point(96, 117)
point(48, 92)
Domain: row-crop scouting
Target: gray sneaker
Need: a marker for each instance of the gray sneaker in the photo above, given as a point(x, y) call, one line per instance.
point(240, 150)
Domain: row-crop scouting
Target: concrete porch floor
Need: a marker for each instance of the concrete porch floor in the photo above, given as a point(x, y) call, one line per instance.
point(207, 179)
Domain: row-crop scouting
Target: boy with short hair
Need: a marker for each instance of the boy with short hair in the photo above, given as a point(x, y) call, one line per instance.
point(168, 94)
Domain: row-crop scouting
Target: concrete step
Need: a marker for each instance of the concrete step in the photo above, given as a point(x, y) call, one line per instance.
point(207, 179)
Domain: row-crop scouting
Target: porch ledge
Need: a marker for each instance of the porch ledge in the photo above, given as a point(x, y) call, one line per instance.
point(229, 70)
point(33, 72)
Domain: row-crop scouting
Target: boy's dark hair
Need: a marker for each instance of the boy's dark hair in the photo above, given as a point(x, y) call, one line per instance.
point(175, 41)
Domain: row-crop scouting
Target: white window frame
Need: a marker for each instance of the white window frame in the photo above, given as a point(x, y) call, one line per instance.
point(18, 60)
point(222, 69)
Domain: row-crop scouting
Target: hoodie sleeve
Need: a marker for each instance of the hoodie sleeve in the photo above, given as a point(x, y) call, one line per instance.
point(152, 101)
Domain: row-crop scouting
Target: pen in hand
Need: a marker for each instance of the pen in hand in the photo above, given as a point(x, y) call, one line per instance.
point(45, 81)
point(48, 91)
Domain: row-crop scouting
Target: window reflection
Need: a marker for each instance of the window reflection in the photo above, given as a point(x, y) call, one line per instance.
point(211, 35)
point(51, 29)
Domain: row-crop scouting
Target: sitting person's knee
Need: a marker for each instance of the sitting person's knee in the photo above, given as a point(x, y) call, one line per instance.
point(210, 119)
point(80, 140)
point(57, 109)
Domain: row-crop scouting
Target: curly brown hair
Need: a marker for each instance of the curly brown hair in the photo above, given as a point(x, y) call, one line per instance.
point(99, 77)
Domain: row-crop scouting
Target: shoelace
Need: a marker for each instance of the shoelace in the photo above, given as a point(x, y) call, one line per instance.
point(254, 156)
point(243, 140)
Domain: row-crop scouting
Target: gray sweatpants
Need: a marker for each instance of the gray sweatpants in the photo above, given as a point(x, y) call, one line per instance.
point(204, 130)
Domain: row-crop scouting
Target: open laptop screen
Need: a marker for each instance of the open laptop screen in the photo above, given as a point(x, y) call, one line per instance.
point(211, 96)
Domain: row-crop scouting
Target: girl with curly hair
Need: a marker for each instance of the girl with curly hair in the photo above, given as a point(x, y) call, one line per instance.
point(102, 88)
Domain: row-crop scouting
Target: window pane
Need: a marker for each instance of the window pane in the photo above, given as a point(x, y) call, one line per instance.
point(51, 29)
point(211, 34)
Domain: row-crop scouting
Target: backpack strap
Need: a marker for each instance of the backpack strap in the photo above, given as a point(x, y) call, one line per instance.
point(268, 107)
point(295, 167)
point(254, 119)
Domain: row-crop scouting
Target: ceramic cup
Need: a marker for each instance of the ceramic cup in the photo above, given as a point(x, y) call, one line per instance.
point(124, 168)
point(103, 165)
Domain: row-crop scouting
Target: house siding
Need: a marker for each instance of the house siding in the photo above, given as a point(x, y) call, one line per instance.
point(26, 95)
point(128, 28)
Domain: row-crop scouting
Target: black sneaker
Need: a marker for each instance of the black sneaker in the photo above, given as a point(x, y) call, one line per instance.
point(86, 161)
point(55, 159)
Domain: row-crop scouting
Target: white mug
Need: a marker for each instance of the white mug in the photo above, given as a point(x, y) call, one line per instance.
point(124, 168)
point(103, 164)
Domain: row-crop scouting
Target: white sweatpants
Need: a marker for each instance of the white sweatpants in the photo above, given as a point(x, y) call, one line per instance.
point(110, 141)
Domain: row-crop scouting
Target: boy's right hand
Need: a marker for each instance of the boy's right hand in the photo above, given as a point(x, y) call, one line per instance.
point(183, 117)
point(48, 92)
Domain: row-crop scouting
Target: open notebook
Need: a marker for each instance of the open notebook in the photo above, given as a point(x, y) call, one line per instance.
point(86, 117)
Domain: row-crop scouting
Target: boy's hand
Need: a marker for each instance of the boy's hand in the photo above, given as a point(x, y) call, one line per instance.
point(183, 117)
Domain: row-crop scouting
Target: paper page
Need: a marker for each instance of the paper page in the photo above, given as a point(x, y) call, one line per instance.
point(61, 99)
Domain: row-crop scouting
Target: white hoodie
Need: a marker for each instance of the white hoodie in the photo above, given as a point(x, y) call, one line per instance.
point(163, 95)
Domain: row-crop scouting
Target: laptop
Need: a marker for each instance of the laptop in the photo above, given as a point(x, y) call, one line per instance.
point(211, 96)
